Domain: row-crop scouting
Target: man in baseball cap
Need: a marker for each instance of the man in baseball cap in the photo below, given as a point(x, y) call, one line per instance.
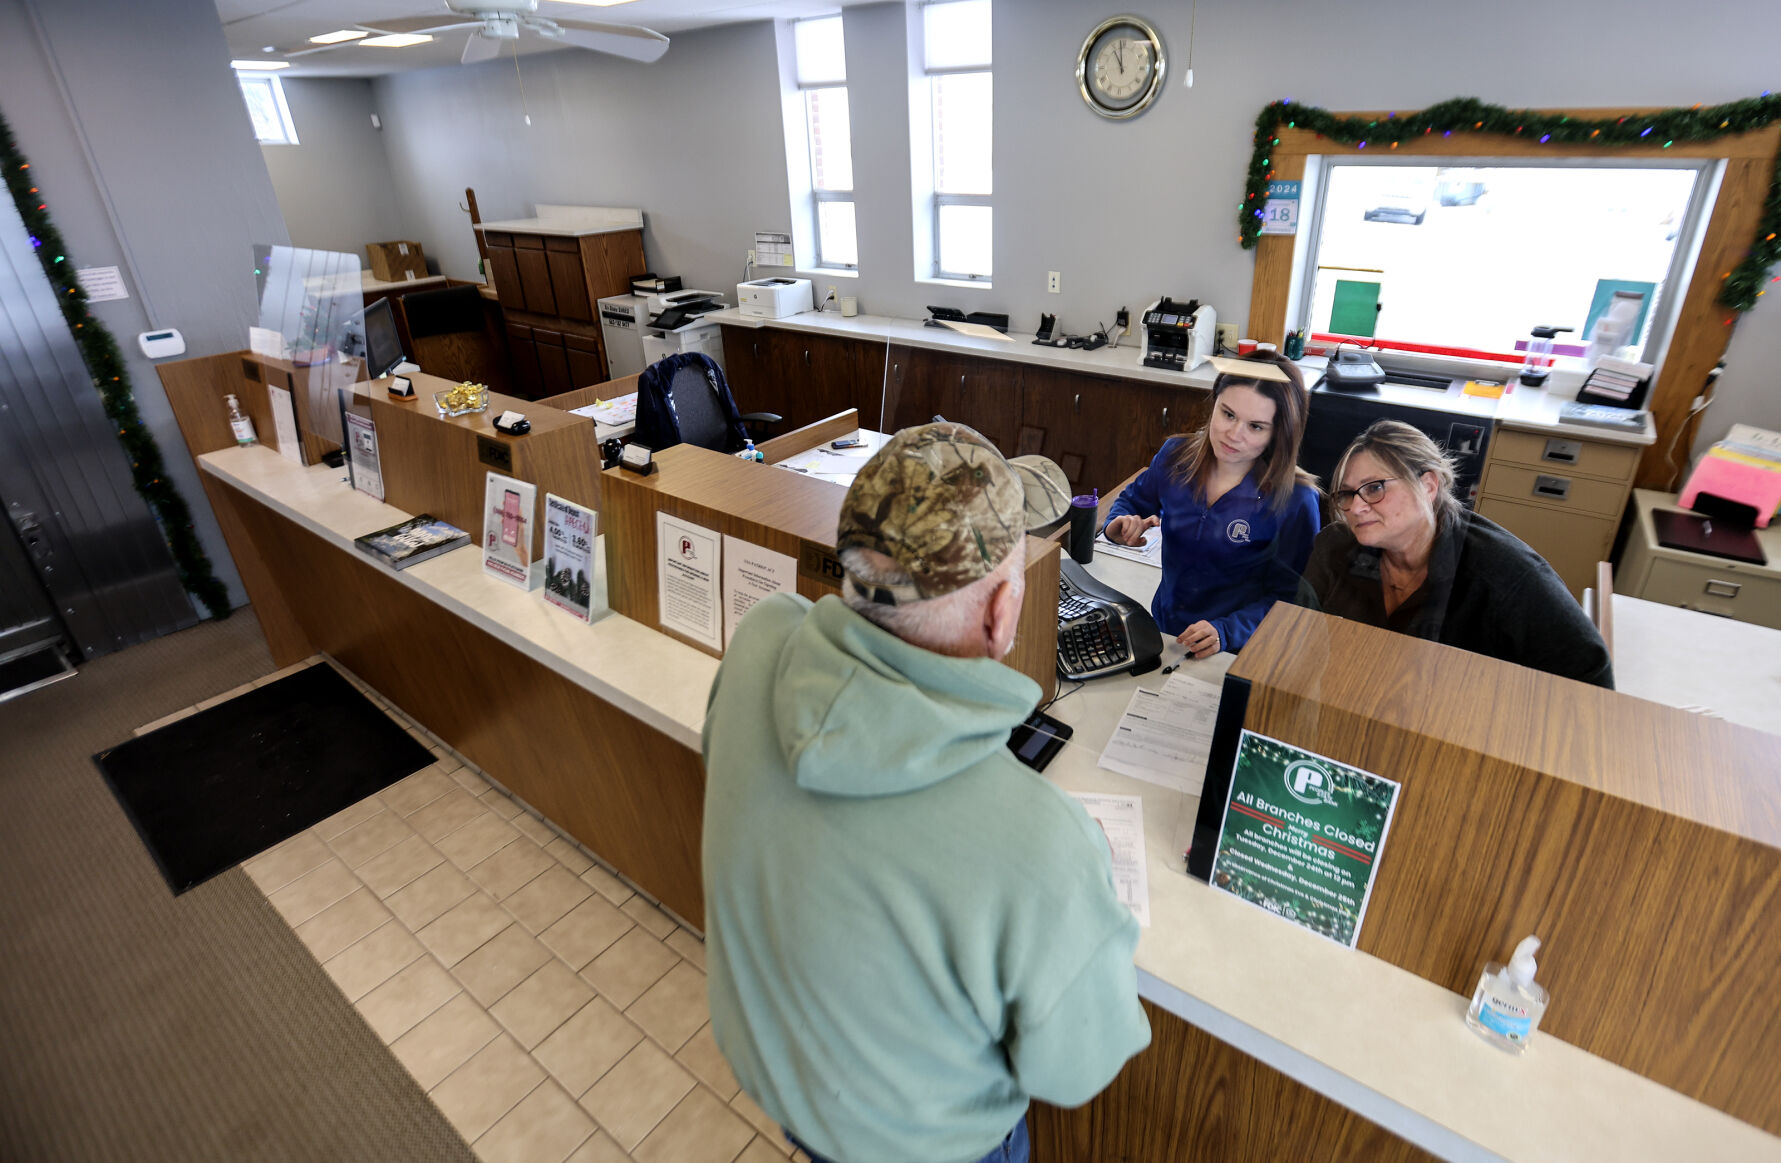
point(909, 935)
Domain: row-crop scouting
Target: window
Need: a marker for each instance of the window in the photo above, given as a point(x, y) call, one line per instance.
point(956, 60)
point(1473, 256)
point(822, 77)
point(266, 105)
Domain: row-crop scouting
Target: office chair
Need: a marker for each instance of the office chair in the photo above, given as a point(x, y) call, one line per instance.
point(684, 399)
point(448, 335)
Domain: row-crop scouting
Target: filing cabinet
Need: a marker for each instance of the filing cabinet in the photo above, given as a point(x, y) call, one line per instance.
point(1699, 581)
point(1560, 494)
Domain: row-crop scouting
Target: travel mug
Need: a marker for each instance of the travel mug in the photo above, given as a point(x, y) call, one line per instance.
point(1082, 526)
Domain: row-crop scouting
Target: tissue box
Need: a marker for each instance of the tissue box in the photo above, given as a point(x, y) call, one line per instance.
point(774, 297)
point(395, 262)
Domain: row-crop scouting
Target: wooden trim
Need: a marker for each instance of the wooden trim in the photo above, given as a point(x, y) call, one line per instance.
point(1700, 335)
point(582, 397)
point(804, 439)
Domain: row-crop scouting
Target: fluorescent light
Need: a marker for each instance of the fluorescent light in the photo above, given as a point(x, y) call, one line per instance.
point(247, 66)
point(337, 37)
point(395, 40)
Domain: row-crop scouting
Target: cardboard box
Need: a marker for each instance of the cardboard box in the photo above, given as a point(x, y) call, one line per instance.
point(395, 262)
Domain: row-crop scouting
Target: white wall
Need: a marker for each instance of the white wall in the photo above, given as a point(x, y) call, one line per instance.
point(1125, 211)
point(334, 186)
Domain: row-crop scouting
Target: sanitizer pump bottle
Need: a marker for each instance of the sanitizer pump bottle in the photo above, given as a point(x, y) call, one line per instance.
point(1508, 1004)
point(243, 427)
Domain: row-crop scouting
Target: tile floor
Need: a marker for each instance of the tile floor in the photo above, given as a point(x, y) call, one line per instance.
point(550, 1011)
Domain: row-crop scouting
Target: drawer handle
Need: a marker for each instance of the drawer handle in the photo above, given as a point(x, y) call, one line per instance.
point(1165, 417)
point(1722, 589)
point(806, 357)
point(961, 381)
point(1558, 488)
point(1078, 403)
point(757, 350)
point(1563, 451)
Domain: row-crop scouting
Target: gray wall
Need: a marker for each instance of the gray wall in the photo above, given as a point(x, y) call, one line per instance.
point(1124, 211)
point(148, 84)
point(334, 186)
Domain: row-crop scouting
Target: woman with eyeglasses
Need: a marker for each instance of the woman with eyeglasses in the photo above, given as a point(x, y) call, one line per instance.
point(1405, 555)
point(1238, 515)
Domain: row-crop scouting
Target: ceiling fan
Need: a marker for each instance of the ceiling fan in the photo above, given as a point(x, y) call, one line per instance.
point(493, 24)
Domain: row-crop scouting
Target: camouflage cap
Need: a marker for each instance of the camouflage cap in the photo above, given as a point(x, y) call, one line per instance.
point(940, 501)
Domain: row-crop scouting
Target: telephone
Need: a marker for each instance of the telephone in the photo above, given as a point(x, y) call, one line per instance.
point(1047, 324)
point(1353, 369)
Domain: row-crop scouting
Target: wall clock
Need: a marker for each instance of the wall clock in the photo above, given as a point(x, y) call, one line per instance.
point(1120, 68)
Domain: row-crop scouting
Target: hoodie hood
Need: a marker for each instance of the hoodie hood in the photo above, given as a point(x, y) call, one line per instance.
point(859, 712)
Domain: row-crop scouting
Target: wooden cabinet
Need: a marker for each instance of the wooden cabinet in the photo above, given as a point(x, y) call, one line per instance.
point(535, 294)
point(802, 377)
point(982, 393)
point(504, 270)
point(548, 285)
point(568, 279)
point(1561, 495)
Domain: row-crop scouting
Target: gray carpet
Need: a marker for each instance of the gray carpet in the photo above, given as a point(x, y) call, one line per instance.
point(137, 1026)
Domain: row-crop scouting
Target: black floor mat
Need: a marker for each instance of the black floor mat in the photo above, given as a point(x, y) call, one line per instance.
point(215, 788)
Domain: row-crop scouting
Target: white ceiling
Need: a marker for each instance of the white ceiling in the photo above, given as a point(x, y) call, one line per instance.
point(250, 25)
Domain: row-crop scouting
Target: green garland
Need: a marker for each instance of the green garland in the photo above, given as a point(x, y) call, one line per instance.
point(1468, 115)
point(106, 365)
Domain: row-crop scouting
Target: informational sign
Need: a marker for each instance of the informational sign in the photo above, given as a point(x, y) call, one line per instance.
point(752, 572)
point(284, 424)
point(1281, 214)
point(265, 341)
point(568, 556)
point(689, 564)
point(1302, 836)
point(362, 457)
point(102, 283)
point(772, 249)
point(507, 509)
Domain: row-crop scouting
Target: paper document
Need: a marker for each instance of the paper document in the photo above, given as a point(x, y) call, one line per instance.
point(752, 572)
point(1122, 821)
point(618, 411)
point(840, 465)
point(284, 425)
point(1150, 552)
point(689, 570)
point(1165, 736)
point(974, 330)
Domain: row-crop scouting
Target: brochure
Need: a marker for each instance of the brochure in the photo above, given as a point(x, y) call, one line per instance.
point(568, 556)
point(507, 510)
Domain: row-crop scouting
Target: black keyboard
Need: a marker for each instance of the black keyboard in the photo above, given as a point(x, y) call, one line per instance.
point(1100, 631)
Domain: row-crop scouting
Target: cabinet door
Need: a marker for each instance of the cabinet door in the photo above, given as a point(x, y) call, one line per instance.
point(1571, 542)
point(587, 363)
point(747, 356)
point(567, 279)
point(1082, 423)
point(553, 362)
point(504, 269)
point(527, 379)
point(534, 274)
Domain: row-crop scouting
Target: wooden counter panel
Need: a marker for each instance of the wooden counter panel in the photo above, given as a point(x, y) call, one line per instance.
point(1190, 1098)
point(1545, 806)
point(620, 787)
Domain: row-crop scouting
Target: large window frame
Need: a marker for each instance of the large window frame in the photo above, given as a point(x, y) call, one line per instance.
point(819, 196)
point(937, 198)
point(287, 127)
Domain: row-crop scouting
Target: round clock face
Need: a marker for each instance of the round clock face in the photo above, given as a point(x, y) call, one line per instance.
point(1120, 68)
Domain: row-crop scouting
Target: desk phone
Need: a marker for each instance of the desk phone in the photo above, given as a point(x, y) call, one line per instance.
point(1100, 631)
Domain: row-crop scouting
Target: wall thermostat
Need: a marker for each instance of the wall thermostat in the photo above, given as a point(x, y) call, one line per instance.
point(161, 344)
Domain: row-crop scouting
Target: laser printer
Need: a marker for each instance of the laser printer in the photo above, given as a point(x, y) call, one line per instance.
point(661, 301)
point(775, 297)
point(1178, 336)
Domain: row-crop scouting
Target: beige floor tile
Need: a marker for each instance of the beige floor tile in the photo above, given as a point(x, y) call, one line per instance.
point(635, 1094)
point(399, 1004)
point(478, 840)
point(539, 832)
point(586, 931)
point(751, 1110)
point(373, 960)
point(164, 720)
point(286, 672)
point(546, 898)
point(508, 958)
point(688, 946)
point(760, 1151)
point(446, 814)
point(650, 917)
point(543, 1128)
point(673, 1009)
point(469, 780)
point(401, 866)
point(607, 885)
point(342, 923)
point(314, 891)
point(699, 1130)
point(582, 1049)
point(635, 962)
point(511, 869)
point(569, 855)
point(349, 818)
point(482, 1090)
point(374, 837)
point(500, 803)
point(417, 791)
point(276, 867)
point(444, 1040)
point(429, 896)
point(542, 1002)
point(701, 1056)
point(464, 928)
point(599, 1149)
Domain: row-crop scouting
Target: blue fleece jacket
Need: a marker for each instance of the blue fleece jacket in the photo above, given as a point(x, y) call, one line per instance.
point(1227, 563)
point(908, 933)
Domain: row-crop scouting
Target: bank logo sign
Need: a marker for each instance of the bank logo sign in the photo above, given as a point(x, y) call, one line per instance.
point(1307, 782)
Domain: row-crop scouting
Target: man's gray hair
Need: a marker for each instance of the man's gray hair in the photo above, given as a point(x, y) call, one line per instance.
point(937, 624)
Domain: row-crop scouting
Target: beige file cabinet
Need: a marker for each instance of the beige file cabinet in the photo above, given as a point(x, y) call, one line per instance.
point(1561, 495)
point(1698, 581)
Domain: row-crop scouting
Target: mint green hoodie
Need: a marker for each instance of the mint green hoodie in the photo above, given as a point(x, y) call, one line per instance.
point(908, 933)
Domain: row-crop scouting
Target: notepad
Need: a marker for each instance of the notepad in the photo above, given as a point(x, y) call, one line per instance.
point(1484, 389)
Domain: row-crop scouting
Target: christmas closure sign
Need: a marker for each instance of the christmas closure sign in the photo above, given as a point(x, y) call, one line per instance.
point(1302, 836)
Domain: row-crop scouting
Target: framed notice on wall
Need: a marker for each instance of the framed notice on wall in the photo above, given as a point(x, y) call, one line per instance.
point(689, 571)
point(1302, 836)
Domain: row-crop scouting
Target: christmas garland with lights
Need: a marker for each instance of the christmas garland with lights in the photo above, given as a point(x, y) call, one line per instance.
point(106, 366)
point(1743, 284)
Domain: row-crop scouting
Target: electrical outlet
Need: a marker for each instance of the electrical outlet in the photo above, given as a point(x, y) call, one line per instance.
point(1053, 282)
point(1227, 336)
point(751, 254)
point(1123, 321)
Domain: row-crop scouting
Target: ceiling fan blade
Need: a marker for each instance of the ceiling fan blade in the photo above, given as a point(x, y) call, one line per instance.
point(480, 48)
point(621, 40)
point(416, 24)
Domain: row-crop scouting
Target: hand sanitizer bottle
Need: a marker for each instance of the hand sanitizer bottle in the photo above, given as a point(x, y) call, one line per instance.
point(750, 452)
point(243, 426)
point(1508, 1004)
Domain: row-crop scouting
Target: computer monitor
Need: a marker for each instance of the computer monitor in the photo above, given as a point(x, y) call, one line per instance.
point(383, 347)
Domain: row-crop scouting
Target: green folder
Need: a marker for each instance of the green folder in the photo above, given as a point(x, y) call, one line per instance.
point(1355, 310)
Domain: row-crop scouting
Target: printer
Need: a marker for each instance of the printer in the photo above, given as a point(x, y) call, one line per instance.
point(1178, 336)
point(775, 297)
point(660, 301)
